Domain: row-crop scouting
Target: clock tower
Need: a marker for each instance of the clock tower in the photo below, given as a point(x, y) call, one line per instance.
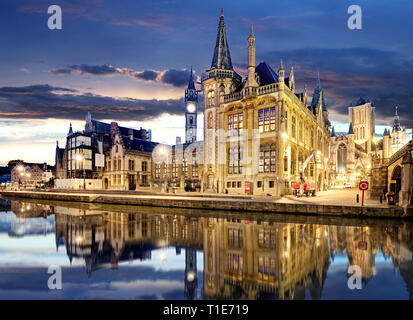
point(191, 105)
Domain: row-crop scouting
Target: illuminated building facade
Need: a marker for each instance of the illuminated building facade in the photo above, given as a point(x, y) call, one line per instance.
point(259, 132)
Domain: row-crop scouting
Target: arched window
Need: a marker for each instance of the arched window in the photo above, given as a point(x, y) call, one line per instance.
point(342, 158)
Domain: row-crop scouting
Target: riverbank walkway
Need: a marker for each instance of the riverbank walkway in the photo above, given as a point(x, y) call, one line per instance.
point(340, 202)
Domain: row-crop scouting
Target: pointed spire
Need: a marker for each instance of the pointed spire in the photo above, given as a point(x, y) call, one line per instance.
point(57, 143)
point(396, 121)
point(305, 94)
point(70, 129)
point(318, 94)
point(191, 83)
point(350, 129)
point(281, 64)
point(291, 81)
point(222, 56)
point(333, 133)
point(251, 31)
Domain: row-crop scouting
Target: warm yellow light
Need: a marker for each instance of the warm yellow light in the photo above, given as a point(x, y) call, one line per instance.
point(78, 239)
point(20, 168)
point(163, 256)
point(190, 276)
point(28, 175)
point(368, 166)
point(79, 157)
point(191, 107)
point(284, 135)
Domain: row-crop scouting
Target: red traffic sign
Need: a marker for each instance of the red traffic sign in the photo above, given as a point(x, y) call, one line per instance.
point(364, 185)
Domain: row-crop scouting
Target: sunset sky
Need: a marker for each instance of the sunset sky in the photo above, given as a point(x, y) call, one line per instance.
point(128, 61)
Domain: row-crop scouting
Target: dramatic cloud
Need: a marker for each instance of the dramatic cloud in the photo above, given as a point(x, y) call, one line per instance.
point(176, 78)
point(45, 101)
point(346, 74)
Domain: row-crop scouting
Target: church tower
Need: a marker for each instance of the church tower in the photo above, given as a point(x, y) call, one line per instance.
point(191, 107)
point(220, 79)
point(361, 115)
point(398, 134)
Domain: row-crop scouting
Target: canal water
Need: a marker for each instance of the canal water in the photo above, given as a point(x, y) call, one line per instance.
point(62, 250)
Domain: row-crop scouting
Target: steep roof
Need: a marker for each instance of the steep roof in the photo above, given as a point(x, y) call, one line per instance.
point(191, 82)
point(139, 145)
point(222, 56)
point(104, 128)
point(318, 94)
point(266, 74)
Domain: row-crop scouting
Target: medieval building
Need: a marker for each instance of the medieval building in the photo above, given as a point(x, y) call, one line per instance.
point(350, 157)
point(260, 135)
point(84, 154)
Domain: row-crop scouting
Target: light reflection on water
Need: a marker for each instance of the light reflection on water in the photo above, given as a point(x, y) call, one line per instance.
point(109, 252)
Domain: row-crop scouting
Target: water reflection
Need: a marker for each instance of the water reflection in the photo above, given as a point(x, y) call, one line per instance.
point(244, 257)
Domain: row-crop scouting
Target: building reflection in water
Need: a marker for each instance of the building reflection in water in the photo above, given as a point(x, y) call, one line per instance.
point(242, 259)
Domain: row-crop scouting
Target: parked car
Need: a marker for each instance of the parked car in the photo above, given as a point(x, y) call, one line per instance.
point(347, 185)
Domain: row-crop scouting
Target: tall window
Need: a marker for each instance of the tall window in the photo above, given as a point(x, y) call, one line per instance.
point(157, 171)
point(235, 160)
point(194, 166)
point(131, 165)
point(312, 139)
point(267, 158)
point(266, 238)
point(174, 168)
point(266, 119)
point(211, 98)
point(210, 120)
point(235, 264)
point(293, 161)
point(144, 166)
point(185, 167)
point(235, 238)
point(266, 268)
point(293, 127)
point(235, 124)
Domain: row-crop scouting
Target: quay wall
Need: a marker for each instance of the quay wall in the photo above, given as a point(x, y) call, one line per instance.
point(241, 205)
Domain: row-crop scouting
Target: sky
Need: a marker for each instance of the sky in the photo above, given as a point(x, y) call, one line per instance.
point(128, 61)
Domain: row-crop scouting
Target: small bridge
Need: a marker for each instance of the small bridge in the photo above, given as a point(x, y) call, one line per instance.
point(400, 176)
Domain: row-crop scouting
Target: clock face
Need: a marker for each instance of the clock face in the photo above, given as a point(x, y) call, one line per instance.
point(191, 107)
